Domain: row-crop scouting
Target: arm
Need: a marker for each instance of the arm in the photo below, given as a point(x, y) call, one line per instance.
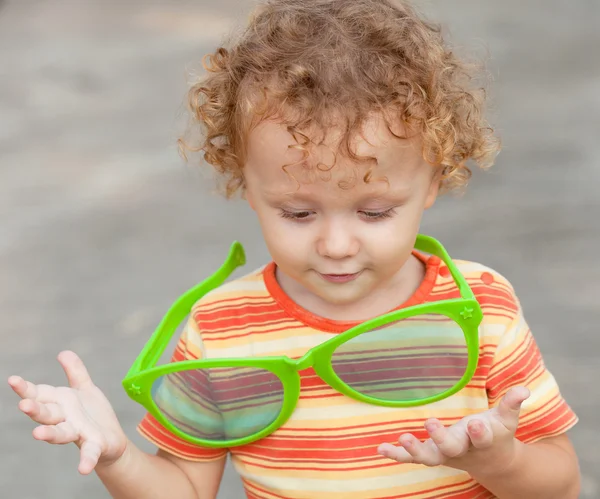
point(137, 474)
point(543, 470)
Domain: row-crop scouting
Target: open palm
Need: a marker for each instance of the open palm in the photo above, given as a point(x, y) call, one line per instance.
point(79, 413)
point(487, 437)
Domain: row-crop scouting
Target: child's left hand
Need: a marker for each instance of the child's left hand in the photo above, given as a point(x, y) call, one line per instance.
point(483, 442)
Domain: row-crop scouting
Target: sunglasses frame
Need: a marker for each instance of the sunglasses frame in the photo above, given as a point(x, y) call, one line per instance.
point(138, 382)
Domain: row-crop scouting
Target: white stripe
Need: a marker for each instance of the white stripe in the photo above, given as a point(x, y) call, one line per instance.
point(291, 347)
point(467, 267)
point(237, 286)
point(541, 391)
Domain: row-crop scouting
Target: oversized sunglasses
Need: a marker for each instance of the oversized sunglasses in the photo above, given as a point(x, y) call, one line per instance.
point(409, 357)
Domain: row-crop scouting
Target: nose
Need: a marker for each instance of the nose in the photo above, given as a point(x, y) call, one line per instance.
point(337, 240)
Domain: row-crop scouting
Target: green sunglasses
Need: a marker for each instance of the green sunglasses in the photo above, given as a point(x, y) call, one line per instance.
point(409, 357)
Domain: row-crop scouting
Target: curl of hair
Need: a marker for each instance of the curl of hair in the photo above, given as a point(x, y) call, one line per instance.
point(317, 63)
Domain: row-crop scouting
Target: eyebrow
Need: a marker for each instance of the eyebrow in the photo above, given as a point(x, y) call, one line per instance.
point(280, 196)
point(387, 196)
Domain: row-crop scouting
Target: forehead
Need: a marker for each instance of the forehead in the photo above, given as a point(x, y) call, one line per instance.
point(279, 160)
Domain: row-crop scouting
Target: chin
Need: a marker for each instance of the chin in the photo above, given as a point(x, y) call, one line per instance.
point(340, 298)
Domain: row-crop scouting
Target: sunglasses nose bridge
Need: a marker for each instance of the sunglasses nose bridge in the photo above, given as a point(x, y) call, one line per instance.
point(305, 362)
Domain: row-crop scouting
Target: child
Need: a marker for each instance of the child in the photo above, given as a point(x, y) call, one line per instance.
point(340, 121)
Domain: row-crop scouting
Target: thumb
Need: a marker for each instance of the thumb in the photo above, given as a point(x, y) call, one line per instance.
point(76, 372)
point(510, 406)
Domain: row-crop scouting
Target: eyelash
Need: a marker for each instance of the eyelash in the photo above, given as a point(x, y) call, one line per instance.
point(371, 215)
point(379, 215)
point(295, 215)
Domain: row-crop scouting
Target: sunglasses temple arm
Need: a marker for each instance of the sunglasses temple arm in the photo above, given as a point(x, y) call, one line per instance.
point(161, 337)
point(433, 247)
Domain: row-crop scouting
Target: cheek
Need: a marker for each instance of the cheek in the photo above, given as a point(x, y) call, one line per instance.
point(290, 257)
point(276, 230)
point(285, 241)
point(392, 243)
point(391, 253)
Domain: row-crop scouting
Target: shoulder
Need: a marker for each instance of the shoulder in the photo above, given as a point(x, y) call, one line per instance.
point(238, 290)
point(218, 312)
point(235, 304)
point(492, 289)
point(476, 270)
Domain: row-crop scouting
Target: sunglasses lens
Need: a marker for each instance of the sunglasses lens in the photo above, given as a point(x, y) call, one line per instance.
point(411, 359)
point(219, 403)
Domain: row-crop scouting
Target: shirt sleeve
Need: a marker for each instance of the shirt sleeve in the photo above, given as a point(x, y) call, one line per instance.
point(189, 347)
point(518, 362)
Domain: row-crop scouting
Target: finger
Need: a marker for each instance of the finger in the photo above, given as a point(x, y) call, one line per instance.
point(480, 434)
point(27, 390)
point(63, 433)
point(46, 414)
point(396, 453)
point(90, 453)
point(426, 453)
point(76, 372)
point(451, 442)
point(510, 406)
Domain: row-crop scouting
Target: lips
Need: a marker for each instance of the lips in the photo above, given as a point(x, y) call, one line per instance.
point(340, 278)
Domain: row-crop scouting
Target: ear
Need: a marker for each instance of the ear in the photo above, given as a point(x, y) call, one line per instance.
point(434, 188)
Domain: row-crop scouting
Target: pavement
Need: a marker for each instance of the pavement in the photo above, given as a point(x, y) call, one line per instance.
point(102, 225)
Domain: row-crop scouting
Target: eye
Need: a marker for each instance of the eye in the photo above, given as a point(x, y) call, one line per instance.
point(295, 215)
point(378, 215)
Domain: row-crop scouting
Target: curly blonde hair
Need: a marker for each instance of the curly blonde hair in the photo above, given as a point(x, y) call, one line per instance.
point(308, 61)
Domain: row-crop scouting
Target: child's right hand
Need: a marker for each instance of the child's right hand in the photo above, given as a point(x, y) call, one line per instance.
point(79, 414)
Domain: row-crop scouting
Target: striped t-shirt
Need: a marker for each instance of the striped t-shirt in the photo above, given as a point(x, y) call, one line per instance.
point(327, 449)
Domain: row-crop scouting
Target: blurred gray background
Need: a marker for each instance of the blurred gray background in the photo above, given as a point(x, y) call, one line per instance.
point(102, 225)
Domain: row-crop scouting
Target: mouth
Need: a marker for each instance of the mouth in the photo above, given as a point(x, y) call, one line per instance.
point(340, 278)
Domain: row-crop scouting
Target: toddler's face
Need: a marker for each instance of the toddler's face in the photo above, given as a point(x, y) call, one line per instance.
point(333, 244)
